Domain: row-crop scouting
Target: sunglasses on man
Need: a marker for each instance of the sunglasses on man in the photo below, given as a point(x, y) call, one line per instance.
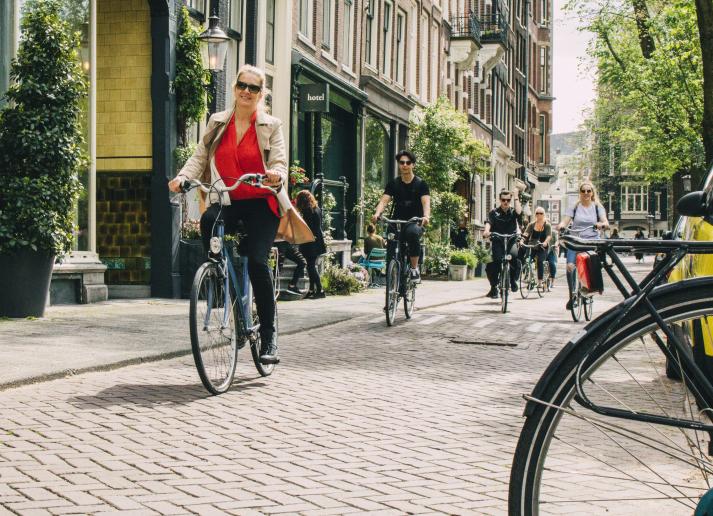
point(406, 162)
point(252, 88)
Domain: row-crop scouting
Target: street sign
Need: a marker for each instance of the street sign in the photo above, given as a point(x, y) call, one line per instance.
point(314, 98)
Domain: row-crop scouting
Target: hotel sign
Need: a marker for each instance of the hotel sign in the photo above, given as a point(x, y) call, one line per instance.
point(314, 98)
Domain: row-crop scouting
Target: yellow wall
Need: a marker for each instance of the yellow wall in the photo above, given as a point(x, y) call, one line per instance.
point(123, 85)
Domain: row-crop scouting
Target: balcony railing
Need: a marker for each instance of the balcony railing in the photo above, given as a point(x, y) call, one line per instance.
point(494, 29)
point(466, 27)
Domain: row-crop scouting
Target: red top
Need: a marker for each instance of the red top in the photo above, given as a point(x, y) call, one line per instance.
point(233, 160)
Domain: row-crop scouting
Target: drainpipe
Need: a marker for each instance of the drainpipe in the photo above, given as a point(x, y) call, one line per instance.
point(527, 89)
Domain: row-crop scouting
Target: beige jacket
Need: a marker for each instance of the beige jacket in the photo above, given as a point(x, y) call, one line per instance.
point(269, 138)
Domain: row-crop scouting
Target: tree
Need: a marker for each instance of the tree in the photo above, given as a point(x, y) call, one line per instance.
point(704, 12)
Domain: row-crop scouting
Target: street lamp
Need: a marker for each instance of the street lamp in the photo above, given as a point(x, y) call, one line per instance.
point(686, 181)
point(650, 219)
point(214, 46)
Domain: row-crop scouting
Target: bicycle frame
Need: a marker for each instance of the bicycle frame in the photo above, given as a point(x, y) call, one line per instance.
point(675, 251)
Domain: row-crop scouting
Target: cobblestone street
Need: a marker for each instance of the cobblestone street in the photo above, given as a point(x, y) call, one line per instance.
point(418, 418)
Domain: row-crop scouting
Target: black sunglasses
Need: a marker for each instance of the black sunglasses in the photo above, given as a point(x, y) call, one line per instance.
point(404, 162)
point(585, 191)
point(506, 200)
point(253, 88)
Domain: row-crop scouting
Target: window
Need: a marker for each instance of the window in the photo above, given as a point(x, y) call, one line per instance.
point(306, 18)
point(270, 32)
point(348, 56)
point(543, 135)
point(422, 57)
point(543, 70)
point(634, 199)
point(236, 16)
point(400, 45)
point(197, 5)
point(388, 37)
point(433, 65)
point(544, 12)
point(328, 24)
point(369, 32)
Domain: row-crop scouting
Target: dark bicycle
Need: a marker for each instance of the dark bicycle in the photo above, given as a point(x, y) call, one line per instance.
point(398, 280)
point(223, 316)
point(608, 418)
point(504, 285)
point(581, 300)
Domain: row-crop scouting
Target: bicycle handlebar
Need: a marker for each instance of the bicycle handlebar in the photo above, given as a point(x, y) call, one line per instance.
point(502, 235)
point(255, 180)
point(395, 221)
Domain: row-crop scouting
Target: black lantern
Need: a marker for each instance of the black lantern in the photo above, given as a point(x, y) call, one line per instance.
point(215, 45)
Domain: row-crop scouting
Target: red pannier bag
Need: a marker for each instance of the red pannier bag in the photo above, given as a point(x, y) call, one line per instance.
point(589, 270)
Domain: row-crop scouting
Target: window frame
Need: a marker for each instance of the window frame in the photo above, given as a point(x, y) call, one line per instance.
point(270, 32)
point(328, 9)
point(234, 29)
point(543, 132)
point(304, 25)
point(348, 54)
point(401, 22)
point(633, 197)
point(388, 32)
point(369, 47)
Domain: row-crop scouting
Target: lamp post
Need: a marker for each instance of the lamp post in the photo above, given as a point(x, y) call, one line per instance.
point(686, 182)
point(650, 219)
point(213, 49)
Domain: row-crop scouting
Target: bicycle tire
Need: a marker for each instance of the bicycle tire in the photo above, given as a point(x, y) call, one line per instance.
point(588, 307)
point(525, 280)
point(576, 309)
point(213, 344)
point(542, 447)
point(409, 298)
point(392, 291)
point(504, 287)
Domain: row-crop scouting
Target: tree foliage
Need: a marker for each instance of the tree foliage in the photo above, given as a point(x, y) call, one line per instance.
point(40, 135)
point(650, 83)
point(191, 78)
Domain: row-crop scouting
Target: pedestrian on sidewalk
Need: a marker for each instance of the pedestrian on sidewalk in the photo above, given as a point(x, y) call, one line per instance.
point(312, 214)
point(292, 252)
point(639, 236)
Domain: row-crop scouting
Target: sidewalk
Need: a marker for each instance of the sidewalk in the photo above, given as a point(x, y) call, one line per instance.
point(72, 339)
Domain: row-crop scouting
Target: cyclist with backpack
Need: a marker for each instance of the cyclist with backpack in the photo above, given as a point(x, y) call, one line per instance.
point(588, 217)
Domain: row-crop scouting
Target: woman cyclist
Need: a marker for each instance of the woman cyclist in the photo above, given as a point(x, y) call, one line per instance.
point(242, 140)
point(587, 216)
point(538, 233)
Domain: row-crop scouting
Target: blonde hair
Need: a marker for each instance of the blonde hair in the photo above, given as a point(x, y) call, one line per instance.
point(594, 190)
point(260, 74)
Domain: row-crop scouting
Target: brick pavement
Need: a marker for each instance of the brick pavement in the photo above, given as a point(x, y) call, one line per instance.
point(358, 419)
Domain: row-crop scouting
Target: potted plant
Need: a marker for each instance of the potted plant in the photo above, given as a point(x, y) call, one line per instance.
point(458, 266)
point(472, 263)
point(40, 157)
point(483, 257)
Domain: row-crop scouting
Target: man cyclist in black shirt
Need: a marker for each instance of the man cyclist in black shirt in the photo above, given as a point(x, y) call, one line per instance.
point(412, 198)
point(503, 219)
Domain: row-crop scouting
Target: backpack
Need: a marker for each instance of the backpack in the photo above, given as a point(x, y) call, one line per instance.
point(596, 206)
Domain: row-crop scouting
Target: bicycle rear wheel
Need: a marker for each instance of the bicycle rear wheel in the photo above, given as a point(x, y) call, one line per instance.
point(588, 307)
point(504, 287)
point(212, 326)
point(256, 343)
point(570, 460)
point(577, 299)
point(392, 291)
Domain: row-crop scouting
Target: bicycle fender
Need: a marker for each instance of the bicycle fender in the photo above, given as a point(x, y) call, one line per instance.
point(603, 320)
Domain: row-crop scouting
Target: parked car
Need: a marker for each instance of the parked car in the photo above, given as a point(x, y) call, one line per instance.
point(699, 333)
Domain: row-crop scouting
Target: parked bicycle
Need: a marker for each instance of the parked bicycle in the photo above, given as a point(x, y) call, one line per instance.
point(223, 316)
point(609, 428)
point(504, 284)
point(398, 280)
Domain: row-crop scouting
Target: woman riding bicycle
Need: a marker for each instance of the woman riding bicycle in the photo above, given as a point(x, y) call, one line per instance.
point(538, 233)
point(239, 139)
point(587, 216)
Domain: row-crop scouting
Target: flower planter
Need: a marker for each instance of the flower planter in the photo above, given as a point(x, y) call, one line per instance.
point(457, 272)
point(25, 282)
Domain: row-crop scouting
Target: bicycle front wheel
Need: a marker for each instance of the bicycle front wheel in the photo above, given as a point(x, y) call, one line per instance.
point(392, 291)
point(409, 298)
point(212, 326)
point(504, 287)
point(570, 460)
point(256, 343)
point(525, 280)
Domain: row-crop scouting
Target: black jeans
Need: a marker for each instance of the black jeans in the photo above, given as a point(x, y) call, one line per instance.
point(411, 236)
point(292, 252)
point(492, 270)
point(315, 282)
point(261, 227)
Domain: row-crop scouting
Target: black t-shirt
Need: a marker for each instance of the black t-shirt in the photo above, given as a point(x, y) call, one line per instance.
point(407, 197)
point(503, 222)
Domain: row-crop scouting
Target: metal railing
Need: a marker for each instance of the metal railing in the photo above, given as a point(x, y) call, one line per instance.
point(465, 27)
point(494, 29)
point(317, 190)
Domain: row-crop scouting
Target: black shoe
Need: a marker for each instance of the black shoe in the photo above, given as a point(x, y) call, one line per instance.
point(291, 289)
point(268, 354)
point(568, 306)
point(513, 287)
point(318, 295)
point(493, 293)
point(309, 295)
point(415, 275)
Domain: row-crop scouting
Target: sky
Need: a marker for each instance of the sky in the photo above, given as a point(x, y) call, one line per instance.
point(573, 84)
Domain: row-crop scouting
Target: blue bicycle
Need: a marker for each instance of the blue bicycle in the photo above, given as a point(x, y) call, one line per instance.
point(223, 317)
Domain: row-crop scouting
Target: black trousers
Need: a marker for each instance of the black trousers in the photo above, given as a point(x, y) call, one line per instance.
point(260, 225)
point(292, 252)
point(411, 235)
point(315, 282)
point(539, 254)
point(492, 270)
